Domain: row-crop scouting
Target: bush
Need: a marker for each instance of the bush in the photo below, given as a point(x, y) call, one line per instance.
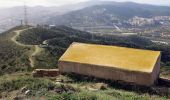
point(76, 96)
point(31, 83)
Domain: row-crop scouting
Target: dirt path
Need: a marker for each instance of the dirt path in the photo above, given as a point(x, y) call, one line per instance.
point(36, 51)
point(14, 39)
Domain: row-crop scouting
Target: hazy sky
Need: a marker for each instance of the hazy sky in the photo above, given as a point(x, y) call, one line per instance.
point(11, 3)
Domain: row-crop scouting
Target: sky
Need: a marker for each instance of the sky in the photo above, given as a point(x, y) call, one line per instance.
point(12, 3)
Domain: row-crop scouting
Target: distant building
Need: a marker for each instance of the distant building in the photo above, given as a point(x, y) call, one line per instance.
point(111, 62)
point(139, 21)
point(46, 26)
point(52, 26)
point(129, 34)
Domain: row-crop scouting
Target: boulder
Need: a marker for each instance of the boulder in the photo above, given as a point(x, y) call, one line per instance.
point(23, 89)
point(28, 92)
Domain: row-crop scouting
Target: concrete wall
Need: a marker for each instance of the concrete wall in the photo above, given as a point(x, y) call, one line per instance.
point(156, 70)
point(111, 73)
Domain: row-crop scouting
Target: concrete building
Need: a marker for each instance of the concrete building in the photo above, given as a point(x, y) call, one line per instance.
point(111, 62)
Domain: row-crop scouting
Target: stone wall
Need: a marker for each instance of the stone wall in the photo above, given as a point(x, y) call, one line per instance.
point(45, 73)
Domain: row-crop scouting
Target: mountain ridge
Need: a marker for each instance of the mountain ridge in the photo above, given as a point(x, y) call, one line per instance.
point(109, 12)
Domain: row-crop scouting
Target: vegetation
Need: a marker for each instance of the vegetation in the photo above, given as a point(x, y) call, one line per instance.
point(58, 40)
point(19, 82)
point(15, 66)
point(13, 57)
point(46, 88)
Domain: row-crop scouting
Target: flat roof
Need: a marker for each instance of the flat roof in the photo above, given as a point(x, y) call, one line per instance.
point(112, 56)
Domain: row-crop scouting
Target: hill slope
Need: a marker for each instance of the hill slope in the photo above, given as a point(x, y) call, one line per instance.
point(10, 17)
point(58, 39)
point(109, 13)
point(42, 47)
point(15, 58)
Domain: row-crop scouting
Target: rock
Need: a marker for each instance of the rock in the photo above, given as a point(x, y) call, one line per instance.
point(28, 92)
point(100, 86)
point(65, 89)
point(23, 89)
point(92, 89)
point(58, 80)
point(58, 83)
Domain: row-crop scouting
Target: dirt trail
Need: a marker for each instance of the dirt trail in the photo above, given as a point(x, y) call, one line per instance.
point(14, 38)
point(36, 51)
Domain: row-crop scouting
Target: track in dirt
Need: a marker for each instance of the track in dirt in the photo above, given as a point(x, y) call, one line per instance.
point(36, 51)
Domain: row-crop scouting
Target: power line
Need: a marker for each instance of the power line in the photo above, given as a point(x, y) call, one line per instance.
point(25, 15)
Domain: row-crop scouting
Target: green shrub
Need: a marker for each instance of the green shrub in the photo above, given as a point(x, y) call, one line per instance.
point(76, 96)
point(31, 83)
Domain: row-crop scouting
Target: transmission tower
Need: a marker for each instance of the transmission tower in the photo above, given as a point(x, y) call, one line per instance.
point(25, 15)
point(21, 22)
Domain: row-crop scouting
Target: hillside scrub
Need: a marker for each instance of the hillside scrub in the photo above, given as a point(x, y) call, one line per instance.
point(48, 89)
point(58, 40)
point(55, 41)
point(14, 58)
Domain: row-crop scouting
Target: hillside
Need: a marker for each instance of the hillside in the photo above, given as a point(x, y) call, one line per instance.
point(56, 41)
point(16, 68)
point(90, 13)
point(13, 57)
point(10, 17)
point(109, 13)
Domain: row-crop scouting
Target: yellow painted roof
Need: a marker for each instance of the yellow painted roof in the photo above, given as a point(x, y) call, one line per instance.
point(112, 56)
